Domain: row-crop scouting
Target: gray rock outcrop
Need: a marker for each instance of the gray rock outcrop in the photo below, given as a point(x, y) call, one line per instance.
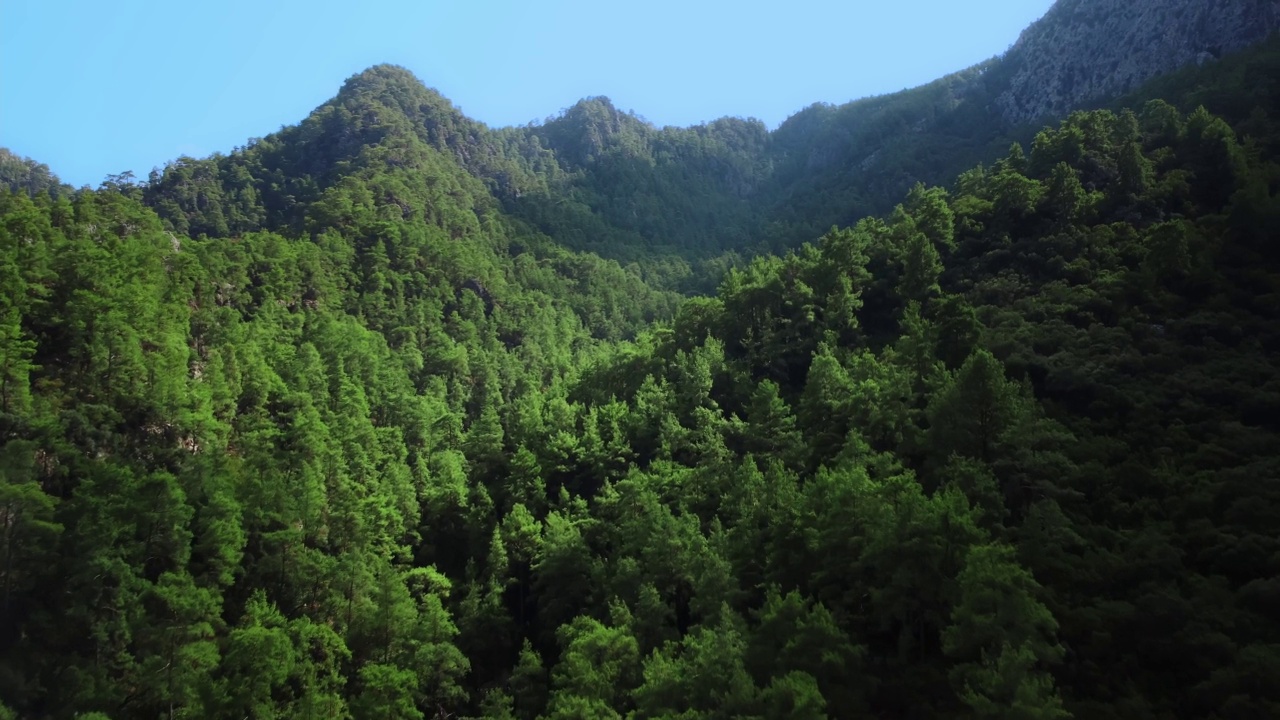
point(1085, 50)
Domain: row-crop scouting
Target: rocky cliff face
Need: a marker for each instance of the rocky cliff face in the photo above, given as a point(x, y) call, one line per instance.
point(1085, 50)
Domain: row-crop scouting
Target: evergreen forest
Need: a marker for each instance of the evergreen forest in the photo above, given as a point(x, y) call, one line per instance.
point(394, 415)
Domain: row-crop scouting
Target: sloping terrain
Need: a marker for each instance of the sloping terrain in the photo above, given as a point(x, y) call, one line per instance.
point(602, 180)
point(348, 424)
point(1083, 51)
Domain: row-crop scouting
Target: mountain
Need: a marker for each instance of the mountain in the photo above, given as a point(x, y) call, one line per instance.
point(602, 180)
point(1083, 51)
point(836, 164)
point(352, 423)
point(605, 181)
point(26, 175)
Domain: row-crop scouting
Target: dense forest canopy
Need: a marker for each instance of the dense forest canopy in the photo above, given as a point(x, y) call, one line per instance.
point(393, 415)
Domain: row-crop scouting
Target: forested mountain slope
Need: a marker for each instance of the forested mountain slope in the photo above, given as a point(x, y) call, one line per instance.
point(599, 179)
point(26, 175)
point(1007, 452)
point(1083, 51)
point(336, 426)
point(837, 164)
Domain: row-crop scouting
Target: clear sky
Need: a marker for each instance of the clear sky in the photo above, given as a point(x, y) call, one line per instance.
point(94, 87)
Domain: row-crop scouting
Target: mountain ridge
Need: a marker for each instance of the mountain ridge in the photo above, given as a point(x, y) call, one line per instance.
point(1085, 50)
point(599, 179)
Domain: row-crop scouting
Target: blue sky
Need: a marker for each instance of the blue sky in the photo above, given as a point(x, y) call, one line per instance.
point(93, 88)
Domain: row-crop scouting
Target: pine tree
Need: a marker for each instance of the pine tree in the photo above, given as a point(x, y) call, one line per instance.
point(970, 416)
point(1003, 640)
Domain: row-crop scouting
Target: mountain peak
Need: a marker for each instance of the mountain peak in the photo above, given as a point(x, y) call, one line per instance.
point(1084, 50)
point(385, 72)
point(395, 87)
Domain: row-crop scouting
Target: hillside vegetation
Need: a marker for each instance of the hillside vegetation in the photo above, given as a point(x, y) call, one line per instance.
point(356, 422)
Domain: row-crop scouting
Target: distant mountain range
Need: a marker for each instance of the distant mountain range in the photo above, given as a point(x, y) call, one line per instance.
point(596, 178)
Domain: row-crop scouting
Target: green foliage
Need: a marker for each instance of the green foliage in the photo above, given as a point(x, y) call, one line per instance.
point(1002, 639)
point(703, 676)
point(973, 413)
point(339, 425)
point(20, 174)
point(598, 664)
